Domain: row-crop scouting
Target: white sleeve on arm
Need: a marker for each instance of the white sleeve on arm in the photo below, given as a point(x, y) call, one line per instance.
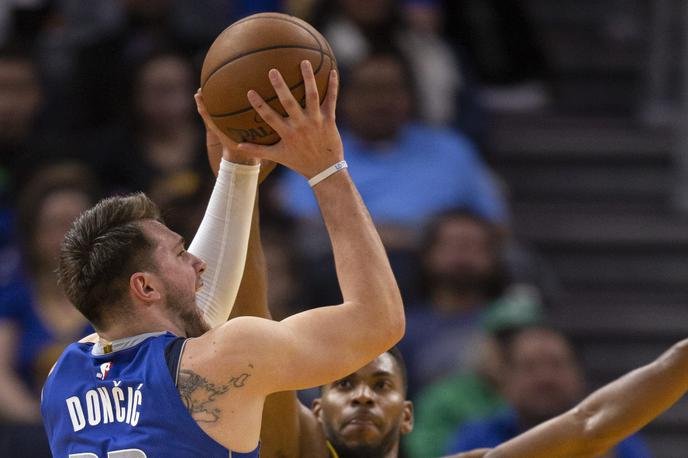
point(222, 239)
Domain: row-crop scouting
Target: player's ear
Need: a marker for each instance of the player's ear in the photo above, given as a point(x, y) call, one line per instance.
point(407, 418)
point(316, 408)
point(142, 287)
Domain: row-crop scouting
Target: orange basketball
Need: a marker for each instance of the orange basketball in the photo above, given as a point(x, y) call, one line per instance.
point(240, 59)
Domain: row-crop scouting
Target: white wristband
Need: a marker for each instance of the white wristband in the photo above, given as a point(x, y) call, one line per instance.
point(327, 172)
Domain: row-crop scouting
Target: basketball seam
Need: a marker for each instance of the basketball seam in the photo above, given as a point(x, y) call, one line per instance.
point(268, 48)
point(274, 97)
point(250, 52)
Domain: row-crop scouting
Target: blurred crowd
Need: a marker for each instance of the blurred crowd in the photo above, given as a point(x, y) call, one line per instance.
point(96, 99)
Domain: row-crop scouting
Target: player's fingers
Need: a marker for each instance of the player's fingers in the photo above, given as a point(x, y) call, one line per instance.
point(211, 139)
point(213, 133)
point(330, 105)
point(205, 116)
point(286, 98)
point(310, 86)
point(270, 116)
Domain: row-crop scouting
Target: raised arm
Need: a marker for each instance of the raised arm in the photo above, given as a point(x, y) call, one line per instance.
point(289, 430)
point(321, 345)
point(222, 237)
point(281, 424)
point(609, 415)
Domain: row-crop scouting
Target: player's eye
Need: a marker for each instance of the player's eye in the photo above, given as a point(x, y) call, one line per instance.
point(343, 384)
point(383, 385)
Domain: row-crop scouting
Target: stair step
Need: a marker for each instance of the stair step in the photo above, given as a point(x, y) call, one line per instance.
point(581, 269)
point(622, 320)
point(552, 138)
point(603, 230)
point(586, 182)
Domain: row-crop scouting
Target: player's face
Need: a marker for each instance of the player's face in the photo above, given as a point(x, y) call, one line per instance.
point(179, 273)
point(365, 413)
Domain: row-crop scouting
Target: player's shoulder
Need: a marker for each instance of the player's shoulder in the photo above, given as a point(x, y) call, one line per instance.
point(66, 361)
point(239, 337)
point(240, 329)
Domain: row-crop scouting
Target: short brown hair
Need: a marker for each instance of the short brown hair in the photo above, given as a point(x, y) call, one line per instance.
point(104, 246)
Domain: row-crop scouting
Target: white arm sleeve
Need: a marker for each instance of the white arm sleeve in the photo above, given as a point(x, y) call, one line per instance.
point(222, 239)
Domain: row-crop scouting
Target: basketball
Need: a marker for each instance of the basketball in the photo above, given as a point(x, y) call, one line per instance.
point(241, 56)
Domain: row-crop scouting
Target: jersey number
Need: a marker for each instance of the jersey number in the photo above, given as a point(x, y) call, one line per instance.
point(128, 453)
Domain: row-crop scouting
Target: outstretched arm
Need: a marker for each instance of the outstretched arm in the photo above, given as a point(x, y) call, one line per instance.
point(610, 414)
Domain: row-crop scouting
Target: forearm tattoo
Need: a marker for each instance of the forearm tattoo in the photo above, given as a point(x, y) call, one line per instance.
point(199, 395)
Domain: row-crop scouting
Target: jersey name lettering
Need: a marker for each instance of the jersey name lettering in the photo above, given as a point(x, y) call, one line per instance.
point(106, 405)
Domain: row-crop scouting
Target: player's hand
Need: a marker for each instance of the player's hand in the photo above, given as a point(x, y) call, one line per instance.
point(214, 150)
point(310, 139)
point(219, 144)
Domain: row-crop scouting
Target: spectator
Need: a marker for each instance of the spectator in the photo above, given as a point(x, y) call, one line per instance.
point(471, 393)
point(131, 31)
point(24, 141)
point(28, 135)
point(21, 99)
point(359, 28)
point(36, 319)
point(464, 396)
point(462, 273)
point(160, 148)
point(541, 379)
point(406, 171)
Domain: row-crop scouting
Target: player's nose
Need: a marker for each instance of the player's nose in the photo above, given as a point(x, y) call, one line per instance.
point(200, 265)
point(362, 394)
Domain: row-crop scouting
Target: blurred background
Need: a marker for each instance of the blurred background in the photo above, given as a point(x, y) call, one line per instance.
point(526, 162)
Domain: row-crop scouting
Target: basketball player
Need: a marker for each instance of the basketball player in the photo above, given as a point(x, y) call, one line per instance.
point(607, 416)
point(360, 415)
point(133, 279)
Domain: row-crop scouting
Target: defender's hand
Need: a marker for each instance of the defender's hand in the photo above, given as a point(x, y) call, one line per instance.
point(216, 140)
point(214, 150)
point(310, 139)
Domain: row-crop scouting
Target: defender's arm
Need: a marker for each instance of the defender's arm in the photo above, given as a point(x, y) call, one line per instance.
point(608, 415)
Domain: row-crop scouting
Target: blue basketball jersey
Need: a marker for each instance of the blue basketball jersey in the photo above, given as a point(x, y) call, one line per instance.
point(122, 404)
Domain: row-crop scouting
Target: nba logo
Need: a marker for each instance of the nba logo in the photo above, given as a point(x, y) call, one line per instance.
point(104, 369)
